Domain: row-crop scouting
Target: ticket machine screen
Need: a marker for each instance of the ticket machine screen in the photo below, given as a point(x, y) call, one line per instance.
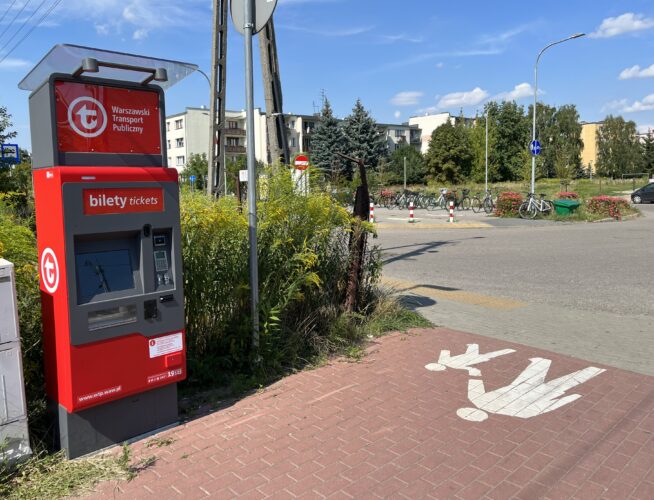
point(103, 272)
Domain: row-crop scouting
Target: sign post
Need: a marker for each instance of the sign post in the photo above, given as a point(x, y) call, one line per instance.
point(248, 21)
point(9, 153)
point(301, 174)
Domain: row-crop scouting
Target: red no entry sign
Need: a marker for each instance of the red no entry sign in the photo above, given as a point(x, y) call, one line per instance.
point(301, 162)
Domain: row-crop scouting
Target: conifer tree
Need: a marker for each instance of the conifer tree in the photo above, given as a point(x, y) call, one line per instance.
point(363, 137)
point(327, 141)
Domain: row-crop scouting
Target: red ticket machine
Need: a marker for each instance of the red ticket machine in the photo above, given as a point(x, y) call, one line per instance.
point(107, 215)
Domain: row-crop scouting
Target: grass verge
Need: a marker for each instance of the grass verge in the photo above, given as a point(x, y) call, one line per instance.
point(52, 476)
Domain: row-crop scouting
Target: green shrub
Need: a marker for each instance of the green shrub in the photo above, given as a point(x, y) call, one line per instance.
point(508, 204)
point(303, 262)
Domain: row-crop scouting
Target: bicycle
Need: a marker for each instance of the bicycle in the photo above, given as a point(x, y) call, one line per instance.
point(464, 203)
point(487, 203)
point(440, 202)
point(532, 207)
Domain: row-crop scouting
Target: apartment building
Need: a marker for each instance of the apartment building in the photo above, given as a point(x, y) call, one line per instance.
point(187, 133)
point(427, 124)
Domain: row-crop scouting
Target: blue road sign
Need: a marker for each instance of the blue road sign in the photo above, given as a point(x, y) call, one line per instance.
point(9, 153)
point(191, 179)
point(534, 147)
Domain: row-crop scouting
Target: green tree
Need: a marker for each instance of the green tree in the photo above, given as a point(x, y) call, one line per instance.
point(647, 147)
point(198, 166)
point(567, 143)
point(449, 157)
point(618, 147)
point(415, 166)
point(5, 125)
point(363, 137)
point(511, 153)
point(327, 141)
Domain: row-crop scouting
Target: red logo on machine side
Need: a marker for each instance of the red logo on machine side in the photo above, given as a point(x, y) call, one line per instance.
point(122, 200)
point(49, 270)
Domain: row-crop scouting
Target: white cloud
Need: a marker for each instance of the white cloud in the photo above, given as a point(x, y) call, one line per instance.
point(440, 65)
point(10, 63)
point(462, 99)
point(101, 29)
point(520, 91)
point(625, 23)
point(645, 128)
point(357, 30)
point(140, 34)
point(637, 72)
point(408, 98)
point(397, 114)
point(401, 38)
point(647, 104)
point(614, 105)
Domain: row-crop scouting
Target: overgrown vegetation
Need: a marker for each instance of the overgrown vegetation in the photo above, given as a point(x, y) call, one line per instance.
point(52, 476)
point(303, 265)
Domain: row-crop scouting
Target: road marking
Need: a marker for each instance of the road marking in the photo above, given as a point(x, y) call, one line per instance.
point(475, 299)
point(421, 225)
point(466, 360)
point(526, 397)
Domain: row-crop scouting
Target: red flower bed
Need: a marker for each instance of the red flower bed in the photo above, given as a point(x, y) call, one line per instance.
point(567, 195)
point(609, 206)
point(508, 204)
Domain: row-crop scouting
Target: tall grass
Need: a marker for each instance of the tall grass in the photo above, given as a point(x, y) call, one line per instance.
point(303, 264)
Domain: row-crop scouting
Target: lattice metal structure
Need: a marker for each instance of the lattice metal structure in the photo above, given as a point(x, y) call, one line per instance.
point(277, 140)
point(216, 158)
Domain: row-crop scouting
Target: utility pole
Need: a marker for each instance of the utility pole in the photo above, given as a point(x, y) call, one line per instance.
point(272, 86)
point(405, 173)
point(216, 160)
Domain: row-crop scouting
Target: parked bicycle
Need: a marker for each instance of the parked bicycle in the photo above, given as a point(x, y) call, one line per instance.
point(486, 203)
point(533, 207)
point(463, 203)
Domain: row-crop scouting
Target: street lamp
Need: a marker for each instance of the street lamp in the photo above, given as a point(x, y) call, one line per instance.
point(533, 157)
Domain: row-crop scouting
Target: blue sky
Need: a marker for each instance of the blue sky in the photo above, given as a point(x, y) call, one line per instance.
point(401, 58)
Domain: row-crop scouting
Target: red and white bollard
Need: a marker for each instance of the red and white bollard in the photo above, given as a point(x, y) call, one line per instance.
point(411, 219)
point(371, 218)
point(451, 212)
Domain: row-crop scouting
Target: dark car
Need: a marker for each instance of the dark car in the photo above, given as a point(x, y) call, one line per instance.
point(644, 194)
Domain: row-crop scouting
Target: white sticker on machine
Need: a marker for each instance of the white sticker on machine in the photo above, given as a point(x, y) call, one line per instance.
point(166, 345)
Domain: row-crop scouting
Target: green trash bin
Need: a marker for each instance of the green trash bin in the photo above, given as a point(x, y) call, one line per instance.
point(565, 207)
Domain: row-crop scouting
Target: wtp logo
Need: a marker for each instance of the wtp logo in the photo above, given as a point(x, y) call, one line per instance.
point(87, 116)
point(49, 270)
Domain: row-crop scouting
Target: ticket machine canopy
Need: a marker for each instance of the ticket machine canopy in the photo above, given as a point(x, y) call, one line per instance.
point(67, 59)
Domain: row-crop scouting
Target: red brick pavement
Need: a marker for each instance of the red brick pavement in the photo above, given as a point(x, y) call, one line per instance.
point(387, 427)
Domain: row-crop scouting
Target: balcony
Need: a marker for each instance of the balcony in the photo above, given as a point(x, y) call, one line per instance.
point(235, 149)
point(235, 131)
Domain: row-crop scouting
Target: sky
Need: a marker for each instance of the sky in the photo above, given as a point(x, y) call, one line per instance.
point(401, 58)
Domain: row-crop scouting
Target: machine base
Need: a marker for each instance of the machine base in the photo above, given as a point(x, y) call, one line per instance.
point(101, 426)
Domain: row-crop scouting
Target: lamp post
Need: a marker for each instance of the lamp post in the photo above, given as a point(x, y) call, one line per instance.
point(533, 157)
point(486, 150)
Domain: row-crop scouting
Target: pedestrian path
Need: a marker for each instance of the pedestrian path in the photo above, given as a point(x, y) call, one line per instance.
point(435, 413)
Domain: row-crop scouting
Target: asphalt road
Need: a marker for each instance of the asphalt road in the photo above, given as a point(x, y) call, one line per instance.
point(581, 289)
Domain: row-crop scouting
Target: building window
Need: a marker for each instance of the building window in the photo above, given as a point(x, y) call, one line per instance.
point(168, 143)
point(168, 126)
point(179, 142)
point(232, 141)
point(179, 161)
point(178, 124)
point(292, 142)
point(232, 124)
point(399, 133)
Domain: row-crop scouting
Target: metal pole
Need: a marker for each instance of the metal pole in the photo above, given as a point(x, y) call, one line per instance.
point(487, 151)
point(252, 178)
point(405, 173)
point(533, 136)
